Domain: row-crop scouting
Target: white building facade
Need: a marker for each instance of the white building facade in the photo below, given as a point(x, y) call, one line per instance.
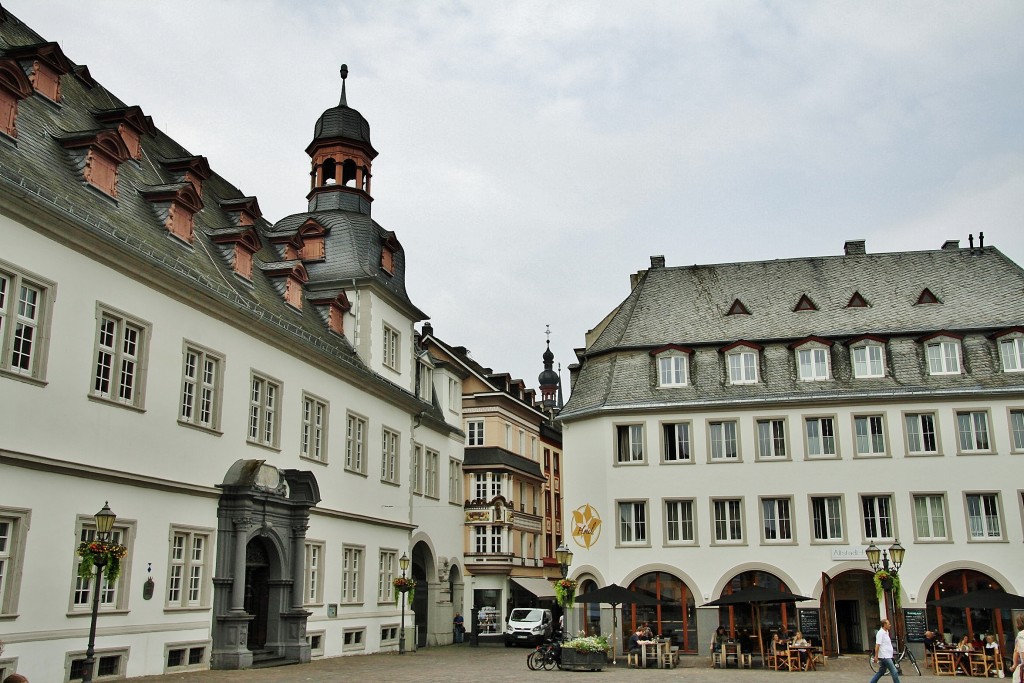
point(764, 423)
point(245, 394)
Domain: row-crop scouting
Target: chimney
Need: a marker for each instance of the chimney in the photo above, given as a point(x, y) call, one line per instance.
point(855, 248)
point(950, 245)
point(428, 330)
point(981, 240)
point(657, 262)
point(970, 240)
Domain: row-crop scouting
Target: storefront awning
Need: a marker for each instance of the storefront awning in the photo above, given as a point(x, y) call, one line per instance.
point(542, 588)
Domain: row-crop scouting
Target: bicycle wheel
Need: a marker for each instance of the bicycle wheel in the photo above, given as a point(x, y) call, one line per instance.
point(549, 660)
point(535, 660)
point(907, 654)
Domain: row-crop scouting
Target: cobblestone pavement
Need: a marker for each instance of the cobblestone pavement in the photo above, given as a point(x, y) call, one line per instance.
point(490, 664)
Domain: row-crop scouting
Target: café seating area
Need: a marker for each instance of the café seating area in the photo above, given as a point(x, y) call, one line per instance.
point(951, 662)
point(659, 652)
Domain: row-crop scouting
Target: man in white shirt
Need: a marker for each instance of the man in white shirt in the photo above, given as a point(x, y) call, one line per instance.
point(883, 654)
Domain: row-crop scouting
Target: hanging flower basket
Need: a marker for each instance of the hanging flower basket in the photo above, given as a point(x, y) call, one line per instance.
point(881, 577)
point(565, 591)
point(402, 586)
point(109, 555)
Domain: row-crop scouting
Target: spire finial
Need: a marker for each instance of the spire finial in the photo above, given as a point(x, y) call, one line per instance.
point(344, 75)
point(547, 333)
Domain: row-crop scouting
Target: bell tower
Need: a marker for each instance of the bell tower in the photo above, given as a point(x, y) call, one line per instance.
point(341, 158)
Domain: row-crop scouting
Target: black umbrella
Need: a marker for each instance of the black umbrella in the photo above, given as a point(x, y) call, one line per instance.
point(615, 595)
point(982, 599)
point(756, 595)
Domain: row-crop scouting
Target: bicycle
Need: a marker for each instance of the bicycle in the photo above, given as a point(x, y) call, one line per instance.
point(897, 660)
point(546, 656)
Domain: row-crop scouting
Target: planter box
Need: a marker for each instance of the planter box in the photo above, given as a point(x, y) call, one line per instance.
point(583, 661)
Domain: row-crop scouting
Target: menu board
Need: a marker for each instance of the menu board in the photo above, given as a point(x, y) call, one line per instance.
point(916, 623)
point(808, 621)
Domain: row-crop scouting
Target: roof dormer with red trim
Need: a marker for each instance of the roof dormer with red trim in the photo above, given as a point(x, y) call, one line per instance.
point(312, 235)
point(333, 310)
point(97, 155)
point(14, 87)
point(44, 64)
point(192, 170)
point(388, 248)
point(131, 124)
point(243, 242)
point(243, 211)
point(176, 206)
point(288, 277)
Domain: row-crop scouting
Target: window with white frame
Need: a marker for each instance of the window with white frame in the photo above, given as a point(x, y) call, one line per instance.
point(922, 437)
point(351, 574)
point(313, 592)
point(355, 443)
point(676, 441)
point(389, 634)
point(930, 517)
point(316, 640)
point(672, 370)
point(771, 439)
point(508, 437)
point(723, 440)
point(869, 432)
point(475, 433)
point(488, 539)
point(1011, 352)
point(480, 539)
point(454, 481)
point(391, 347)
point(454, 395)
point(113, 596)
point(629, 442)
point(314, 428)
point(633, 522)
point(777, 519)
point(389, 455)
point(679, 521)
point(24, 321)
point(186, 656)
point(108, 664)
point(119, 358)
point(353, 639)
point(1017, 430)
point(972, 428)
point(385, 575)
point(187, 569)
point(943, 357)
point(425, 380)
point(813, 364)
point(416, 468)
point(480, 480)
point(983, 516)
point(827, 512)
point(742, 367)
point(868, 360)
point(13, 528)
point(728, 516)
point(877, 511)
point(201, 387)
point(821, 436)
point(431, 481)
point(264, 415)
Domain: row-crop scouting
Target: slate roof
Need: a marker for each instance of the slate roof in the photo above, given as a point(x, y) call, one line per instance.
point(36, 171)
point(980, 291)
point(489, 456)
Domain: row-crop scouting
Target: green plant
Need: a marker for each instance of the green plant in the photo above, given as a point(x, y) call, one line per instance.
point(108, 554)
point(582, 643)
point(881, 576)
point(565, 591)
point(404, 586)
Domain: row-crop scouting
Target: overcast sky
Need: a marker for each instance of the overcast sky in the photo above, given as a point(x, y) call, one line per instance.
point(534, 154)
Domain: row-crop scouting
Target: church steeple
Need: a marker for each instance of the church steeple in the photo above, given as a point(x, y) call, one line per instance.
point(548, 379)
point(341, 158)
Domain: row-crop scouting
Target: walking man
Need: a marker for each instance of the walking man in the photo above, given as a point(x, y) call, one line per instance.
point(883, 654)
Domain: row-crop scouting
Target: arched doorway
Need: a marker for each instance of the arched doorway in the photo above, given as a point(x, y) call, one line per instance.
point(852, 610)
point(257, 592)
point(590, 613)
point(954, 623)
point(421, 569)
point(747, 622)
point(674, 618)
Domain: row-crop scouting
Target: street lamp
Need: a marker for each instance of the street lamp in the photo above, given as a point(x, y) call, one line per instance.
point(104, 524)
point(879, 560)
point(564, 557)
point(403, 562)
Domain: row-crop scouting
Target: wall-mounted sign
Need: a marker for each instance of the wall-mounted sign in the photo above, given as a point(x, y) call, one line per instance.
point(850, 552)
point(586, 526)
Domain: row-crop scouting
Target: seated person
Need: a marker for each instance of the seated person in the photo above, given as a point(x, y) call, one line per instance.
point(800, 641)
point(929, 641)
point(636, 640)
point(991, 646)
point(648, 633)
point(964, 645)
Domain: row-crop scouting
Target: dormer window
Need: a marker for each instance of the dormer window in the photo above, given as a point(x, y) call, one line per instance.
point(425, 378)
point(175, 207)
point(98, 155)
point(243, 211)
point(312, 235)
point(943, 353)
point(131, 124)
point(191, 170)
point(295, 276)
point(738, 308)
point(673, 365)
point(14, 87)
point(868, 357)
point(1011, 350)
point(44, 64)
point(388, 249)
point(742, 361)
point(334, 310)
point(243, 243)
point(812, 359)
point(927, 297)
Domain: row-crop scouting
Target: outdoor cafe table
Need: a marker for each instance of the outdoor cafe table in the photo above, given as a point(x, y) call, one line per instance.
point(805, 657)
point(652, 649)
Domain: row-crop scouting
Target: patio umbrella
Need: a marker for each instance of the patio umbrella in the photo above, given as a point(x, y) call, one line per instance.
point(754, 596)
point(982, 599)
point(615, 595)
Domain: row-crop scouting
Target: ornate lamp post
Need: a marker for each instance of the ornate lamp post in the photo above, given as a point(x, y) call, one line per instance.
point(564, 557)
point(565, 589)
point(403, 562)
point(104, 524)
point(879, 560)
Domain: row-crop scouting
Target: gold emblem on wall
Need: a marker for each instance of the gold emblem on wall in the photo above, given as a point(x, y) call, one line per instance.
point(586, 526)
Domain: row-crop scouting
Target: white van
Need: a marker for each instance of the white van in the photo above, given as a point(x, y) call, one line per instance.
point(530, 625)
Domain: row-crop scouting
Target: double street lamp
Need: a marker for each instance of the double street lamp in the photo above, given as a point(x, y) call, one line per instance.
point(879, 560)
point(104, 525)
point(403, 562)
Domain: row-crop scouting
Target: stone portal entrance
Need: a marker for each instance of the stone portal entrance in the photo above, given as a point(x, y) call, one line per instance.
point(262, 518)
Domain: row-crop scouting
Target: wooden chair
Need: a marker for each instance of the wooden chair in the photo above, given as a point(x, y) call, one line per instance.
point(819, 657)
point(945, 665)
point(746, 659)
point(778, 659)
point(633, 659)
point(716, 658)
point(665, 659)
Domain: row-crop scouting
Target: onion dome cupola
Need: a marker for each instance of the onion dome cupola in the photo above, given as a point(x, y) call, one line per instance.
point(548, 380)
point(341, 156)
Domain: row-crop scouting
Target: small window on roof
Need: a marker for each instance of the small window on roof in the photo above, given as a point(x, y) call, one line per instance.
point(738, 308)
point(387, 260)
point(927, 297)
point(857, 301)
point(805, 304)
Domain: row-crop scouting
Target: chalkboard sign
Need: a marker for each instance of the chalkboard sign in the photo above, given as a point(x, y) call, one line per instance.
point(916, 623)
point(807, 619)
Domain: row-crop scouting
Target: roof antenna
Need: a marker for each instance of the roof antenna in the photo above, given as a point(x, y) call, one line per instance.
point(981, 240)
point(344, 75)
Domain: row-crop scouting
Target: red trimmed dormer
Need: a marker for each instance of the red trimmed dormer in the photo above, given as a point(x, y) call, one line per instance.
point(176, 206)
point(866, 338)
point(97, 156)
point(334, 309)
point(14, 87)
point(245, 243)
point(671, 347)
point(388, 248)
point(312, 236)
point(808, 340)
point(44, 64)
point(294, 275)
point(131, 124)
point(738, 308)
point(192, 170)
point(243, 211)
point(742, 342)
